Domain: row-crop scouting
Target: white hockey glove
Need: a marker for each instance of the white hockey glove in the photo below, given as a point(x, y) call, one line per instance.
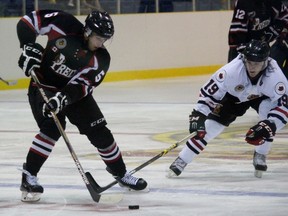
point(197, 123)
point(55, 104)
point(258, 134)
point(31, 57)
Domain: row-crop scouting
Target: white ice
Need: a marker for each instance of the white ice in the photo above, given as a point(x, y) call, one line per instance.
point(146, 117)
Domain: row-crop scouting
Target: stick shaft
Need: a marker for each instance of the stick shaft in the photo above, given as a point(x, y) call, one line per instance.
point(156, 157)
point(69, 146)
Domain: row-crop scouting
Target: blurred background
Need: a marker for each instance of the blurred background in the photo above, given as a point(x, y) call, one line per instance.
point(80, 7)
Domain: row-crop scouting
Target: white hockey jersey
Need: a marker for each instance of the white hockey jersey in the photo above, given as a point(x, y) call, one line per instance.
point(233, 79)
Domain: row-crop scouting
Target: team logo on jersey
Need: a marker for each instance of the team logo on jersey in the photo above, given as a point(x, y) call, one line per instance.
point(61, 43)
point(280, 88)
point(60, 67)
point(239, 88)
point(221, 76)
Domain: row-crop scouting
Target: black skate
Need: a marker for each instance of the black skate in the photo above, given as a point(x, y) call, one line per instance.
point(130, 181)
point(31, 189)
point(259, 162)
point(176, 168)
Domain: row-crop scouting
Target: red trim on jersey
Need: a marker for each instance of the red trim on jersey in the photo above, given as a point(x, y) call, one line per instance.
point(38, 20)
point(28, 24)
point(282, 111)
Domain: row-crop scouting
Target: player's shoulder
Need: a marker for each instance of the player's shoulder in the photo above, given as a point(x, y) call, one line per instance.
point(58, 17)
point(274, 78)
point(235, 66)
point(62, 20)
point(231, 72)
point(243, 4)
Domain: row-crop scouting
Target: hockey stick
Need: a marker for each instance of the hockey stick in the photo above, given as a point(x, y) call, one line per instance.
point(9, 83)
point(156, 157)
point(89, 181)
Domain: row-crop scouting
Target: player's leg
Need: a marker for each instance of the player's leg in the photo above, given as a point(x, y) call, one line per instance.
point(259, 158)
point(223, 115)
point(263, 107)
point(40, 149)
point(194, 147)
point(90, 121)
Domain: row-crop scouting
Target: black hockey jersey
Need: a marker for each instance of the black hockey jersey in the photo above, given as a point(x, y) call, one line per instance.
point(257, 19)
point(67, 64)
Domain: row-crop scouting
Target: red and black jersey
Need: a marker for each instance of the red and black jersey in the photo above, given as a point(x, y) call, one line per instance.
point(67, 64)
point(257, 19)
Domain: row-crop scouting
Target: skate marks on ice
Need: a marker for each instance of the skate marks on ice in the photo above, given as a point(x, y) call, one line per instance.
point(209, 187)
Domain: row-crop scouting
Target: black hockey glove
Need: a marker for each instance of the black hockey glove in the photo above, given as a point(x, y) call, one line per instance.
point(55, 104)
point(31, 57)
point(197, 123)
point(258, 134)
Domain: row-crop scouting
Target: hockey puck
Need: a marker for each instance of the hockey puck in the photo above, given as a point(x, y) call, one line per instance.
point(133, 207)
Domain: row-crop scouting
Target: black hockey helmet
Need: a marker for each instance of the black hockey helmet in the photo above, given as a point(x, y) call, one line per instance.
point(256, 51)
point(100, 23)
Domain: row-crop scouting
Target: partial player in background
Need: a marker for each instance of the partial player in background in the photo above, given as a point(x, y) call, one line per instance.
point(265, 20)
point(73, 63)
point(252, 79)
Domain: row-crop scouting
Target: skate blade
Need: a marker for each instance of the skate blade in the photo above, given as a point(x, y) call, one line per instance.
point(170, 174)
point(145, 190)
point(258, 173)
point(30, 197)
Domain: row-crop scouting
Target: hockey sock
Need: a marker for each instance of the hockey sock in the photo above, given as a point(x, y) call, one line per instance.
point(40, 150)
point(113, 159)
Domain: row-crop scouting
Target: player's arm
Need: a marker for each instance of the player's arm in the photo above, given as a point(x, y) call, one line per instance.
point(276, 119)
point(210, 94)
point(32, 52)
point(28, 28)
point(90, 77)
point(80, 85)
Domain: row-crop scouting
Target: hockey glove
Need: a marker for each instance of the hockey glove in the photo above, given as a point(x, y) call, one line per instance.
point(197, 123)
point(258, 134)
point(31, 57)
point(55, 104)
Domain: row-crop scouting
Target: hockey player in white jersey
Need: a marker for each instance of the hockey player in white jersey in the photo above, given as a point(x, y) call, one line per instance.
point(252, 79)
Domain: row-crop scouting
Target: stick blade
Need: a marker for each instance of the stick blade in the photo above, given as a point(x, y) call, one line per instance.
point(95, 191)
point(93, 187)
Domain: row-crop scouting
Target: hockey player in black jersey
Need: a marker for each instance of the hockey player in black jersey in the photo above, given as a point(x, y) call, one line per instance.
point(265, 20)
point(71, 65)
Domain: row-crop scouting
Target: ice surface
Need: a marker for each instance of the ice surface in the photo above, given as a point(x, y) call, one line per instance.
point(146, 117)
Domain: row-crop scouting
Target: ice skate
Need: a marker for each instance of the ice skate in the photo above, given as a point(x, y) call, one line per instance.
point(130, 181)
point(259, 162)
point(176, 168)
point(31, 189)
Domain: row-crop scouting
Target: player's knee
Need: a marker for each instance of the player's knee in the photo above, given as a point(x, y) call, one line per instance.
point(101, 137)
point(50, 129)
